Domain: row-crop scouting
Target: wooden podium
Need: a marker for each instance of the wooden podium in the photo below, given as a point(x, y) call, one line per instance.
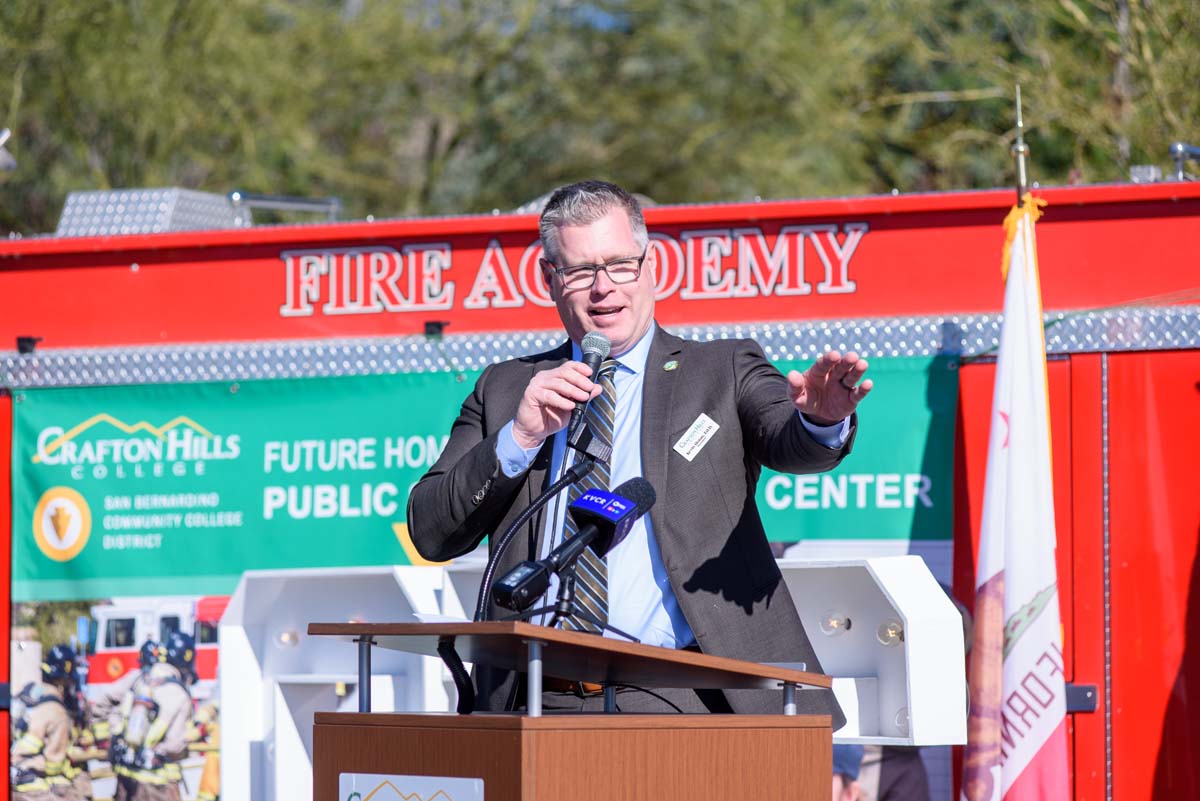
point(577, 757)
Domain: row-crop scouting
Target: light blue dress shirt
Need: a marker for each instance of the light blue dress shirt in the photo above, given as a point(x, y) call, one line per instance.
point(641, 601)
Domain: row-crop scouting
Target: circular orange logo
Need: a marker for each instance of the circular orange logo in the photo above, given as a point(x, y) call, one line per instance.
point(62, 523)
point(114, 667)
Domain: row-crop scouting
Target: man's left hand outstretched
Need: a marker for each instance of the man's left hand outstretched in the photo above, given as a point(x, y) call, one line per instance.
point(830, 390)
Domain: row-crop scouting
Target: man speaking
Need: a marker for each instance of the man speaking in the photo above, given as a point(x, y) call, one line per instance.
point(697, 420)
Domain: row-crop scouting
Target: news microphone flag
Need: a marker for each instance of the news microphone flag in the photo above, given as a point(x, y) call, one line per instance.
point(1017, 728)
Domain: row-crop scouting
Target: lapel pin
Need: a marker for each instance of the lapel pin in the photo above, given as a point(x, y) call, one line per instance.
point(671, 365)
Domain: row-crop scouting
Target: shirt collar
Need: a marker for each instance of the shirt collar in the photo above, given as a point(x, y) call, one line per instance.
point(633, 359)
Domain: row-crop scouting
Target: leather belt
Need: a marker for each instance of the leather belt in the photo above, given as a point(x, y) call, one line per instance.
point(580, 689)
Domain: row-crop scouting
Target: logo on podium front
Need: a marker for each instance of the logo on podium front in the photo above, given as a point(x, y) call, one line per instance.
point(383, 787)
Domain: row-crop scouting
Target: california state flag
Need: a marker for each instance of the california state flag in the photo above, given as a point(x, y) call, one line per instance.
point(1017, 731)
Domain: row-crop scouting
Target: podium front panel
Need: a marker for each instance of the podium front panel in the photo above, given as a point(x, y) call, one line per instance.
point(586, 757)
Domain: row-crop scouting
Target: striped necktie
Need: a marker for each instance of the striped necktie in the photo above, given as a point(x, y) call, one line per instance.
point(591, 573)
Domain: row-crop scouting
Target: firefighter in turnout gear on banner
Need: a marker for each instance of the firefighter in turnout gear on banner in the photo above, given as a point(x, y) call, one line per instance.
point(155, 713)
point(206, 739)
point(108, 720)
point(107, 709)
point(83, 743)
point(42, 718)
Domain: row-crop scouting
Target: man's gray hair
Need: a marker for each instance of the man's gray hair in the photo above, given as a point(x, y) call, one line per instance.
point(582, 204)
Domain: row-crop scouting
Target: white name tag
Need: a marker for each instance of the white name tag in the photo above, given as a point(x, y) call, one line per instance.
point(696, 437)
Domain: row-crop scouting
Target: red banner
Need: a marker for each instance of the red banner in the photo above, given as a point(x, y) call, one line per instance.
point(724, 263)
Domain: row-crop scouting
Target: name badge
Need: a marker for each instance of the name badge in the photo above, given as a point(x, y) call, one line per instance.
point(696, 437)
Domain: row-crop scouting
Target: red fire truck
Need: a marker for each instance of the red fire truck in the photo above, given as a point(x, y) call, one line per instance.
point(121, 625)
point(890, 275)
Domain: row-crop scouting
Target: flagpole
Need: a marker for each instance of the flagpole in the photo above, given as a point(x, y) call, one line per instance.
point(1020, 150)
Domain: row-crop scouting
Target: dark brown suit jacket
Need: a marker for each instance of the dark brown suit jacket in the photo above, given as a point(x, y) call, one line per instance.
point(705, 521)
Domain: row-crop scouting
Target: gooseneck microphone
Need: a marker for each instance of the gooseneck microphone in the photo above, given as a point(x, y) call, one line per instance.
point(604, 519)
point(595, 347)
point(577, 472)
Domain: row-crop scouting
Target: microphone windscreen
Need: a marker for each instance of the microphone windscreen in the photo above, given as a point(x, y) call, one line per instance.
point(597, 343)
point(639, 491)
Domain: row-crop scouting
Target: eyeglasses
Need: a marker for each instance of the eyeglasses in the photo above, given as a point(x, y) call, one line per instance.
point(620, 271)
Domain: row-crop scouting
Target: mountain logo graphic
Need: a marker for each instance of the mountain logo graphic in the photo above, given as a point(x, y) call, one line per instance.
point(62, 523)
point(160, 432)
point(381, 793)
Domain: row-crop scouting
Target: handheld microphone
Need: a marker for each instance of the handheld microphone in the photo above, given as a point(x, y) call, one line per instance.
point(595, 347)
point(604, 519)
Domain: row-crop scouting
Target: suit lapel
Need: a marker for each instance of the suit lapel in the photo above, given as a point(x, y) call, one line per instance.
point(658, 390)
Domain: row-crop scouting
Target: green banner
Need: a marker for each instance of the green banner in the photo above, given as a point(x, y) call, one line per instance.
point(179, 488)
point(897, 483)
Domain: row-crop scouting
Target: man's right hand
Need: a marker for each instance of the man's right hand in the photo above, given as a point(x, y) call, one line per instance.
point(546, 406)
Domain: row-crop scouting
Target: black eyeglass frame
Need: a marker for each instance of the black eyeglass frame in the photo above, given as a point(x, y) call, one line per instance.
point(596, 268)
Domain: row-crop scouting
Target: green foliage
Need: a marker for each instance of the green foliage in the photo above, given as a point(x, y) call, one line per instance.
point(54, 623)
point(444, 106)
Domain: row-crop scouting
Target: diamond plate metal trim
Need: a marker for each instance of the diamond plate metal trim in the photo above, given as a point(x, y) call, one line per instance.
point(1124, 329)
point(104, 212)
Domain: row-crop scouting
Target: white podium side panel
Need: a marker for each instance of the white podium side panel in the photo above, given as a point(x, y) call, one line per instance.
point(893, 642)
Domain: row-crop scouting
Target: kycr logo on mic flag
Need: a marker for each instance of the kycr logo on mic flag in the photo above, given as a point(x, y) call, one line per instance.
point(604, 504)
